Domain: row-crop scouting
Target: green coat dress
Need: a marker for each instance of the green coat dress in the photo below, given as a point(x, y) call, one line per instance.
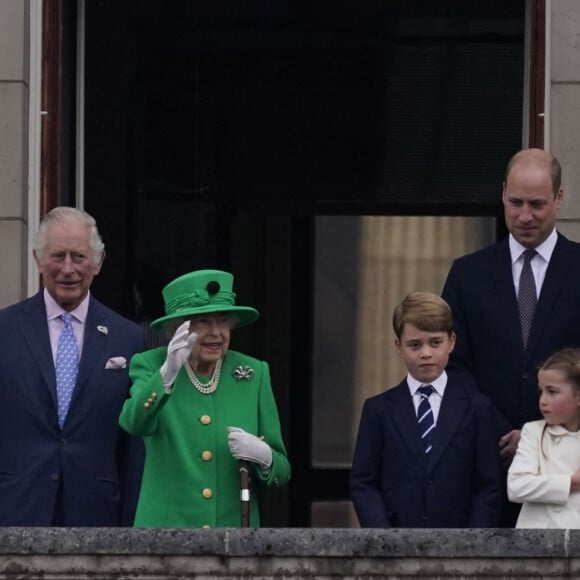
point(190, 478)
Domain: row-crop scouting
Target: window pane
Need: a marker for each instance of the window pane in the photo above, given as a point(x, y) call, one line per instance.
point(380, 259)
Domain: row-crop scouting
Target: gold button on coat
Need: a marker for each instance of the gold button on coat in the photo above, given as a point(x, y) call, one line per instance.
point(207, 455)
point(207, 493)
point(205, 419)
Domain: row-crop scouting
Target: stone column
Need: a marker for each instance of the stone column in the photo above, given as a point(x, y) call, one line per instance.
point(563, 100)
point(14, 147)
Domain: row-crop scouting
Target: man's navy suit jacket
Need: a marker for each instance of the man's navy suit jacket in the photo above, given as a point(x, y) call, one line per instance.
point(480, 291)
point(395, 484)
point(96, 462)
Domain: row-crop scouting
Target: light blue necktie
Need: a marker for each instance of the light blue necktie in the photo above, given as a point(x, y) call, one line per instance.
point(425, 417)
point(67, 366)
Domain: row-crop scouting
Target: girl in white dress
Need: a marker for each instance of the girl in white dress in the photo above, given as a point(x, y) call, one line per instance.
point(545, 473)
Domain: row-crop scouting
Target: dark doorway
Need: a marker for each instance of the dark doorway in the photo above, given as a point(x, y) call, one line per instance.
point(217, 132)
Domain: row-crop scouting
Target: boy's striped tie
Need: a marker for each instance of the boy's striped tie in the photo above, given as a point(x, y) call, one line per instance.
point(425, 417)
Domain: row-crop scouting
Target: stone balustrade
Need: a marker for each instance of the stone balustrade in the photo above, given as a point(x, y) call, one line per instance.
point(155, 554)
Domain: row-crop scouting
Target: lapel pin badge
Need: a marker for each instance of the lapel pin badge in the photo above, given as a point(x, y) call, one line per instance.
point(103, 329)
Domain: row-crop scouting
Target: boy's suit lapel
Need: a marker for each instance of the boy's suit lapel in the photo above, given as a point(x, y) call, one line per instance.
point(453, 408)
point(405, 419)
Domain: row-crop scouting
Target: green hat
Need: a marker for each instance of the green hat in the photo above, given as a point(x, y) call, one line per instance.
point(202, 292)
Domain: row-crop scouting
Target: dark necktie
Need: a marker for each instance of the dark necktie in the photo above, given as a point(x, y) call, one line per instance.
point(527, 297)
point(67, 366)
point(425, 417)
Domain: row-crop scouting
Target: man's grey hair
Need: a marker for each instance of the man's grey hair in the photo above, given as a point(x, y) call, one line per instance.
point(62, 215)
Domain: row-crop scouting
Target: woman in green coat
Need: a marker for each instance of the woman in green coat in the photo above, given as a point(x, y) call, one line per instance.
point(201, 408)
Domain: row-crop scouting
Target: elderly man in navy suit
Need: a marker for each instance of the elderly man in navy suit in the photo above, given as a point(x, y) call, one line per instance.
point(499, 340)
point(64, 361)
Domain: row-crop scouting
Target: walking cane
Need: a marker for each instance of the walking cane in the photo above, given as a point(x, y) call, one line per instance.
point(245, 493)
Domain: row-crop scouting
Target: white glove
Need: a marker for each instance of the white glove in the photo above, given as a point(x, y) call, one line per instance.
point(178, 352)
point(249, 447)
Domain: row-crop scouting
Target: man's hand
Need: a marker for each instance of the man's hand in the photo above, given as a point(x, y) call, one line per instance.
point(507, 447)
point(178, 351)
point(249, 447)
point(575, 481)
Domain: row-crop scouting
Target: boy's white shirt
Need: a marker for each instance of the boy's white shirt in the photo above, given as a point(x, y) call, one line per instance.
point(438, 384)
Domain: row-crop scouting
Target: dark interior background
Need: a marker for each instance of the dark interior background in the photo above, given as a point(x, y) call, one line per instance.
point(216, 131)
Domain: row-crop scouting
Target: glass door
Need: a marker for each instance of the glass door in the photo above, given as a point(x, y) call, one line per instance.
point(363, 267)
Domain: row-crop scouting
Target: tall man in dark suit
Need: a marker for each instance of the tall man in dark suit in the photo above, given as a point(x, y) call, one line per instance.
point(493, 341)
point(66, 461)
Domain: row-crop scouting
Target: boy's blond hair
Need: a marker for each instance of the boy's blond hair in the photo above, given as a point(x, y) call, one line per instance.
point(425, 310)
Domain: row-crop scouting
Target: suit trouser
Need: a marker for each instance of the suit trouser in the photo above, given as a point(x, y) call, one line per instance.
point(58, 514)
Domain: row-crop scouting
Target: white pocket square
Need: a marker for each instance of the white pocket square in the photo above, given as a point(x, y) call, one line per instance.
point(116, 362)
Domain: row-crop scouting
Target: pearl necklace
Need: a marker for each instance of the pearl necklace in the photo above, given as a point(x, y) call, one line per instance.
point(210, 386)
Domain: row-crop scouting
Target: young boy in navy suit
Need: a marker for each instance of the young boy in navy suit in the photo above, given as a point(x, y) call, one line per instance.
point(426, 453)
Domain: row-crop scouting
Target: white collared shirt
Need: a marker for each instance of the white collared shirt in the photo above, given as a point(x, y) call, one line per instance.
point(539, 263)
point(55, 323)
point(438, 384)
